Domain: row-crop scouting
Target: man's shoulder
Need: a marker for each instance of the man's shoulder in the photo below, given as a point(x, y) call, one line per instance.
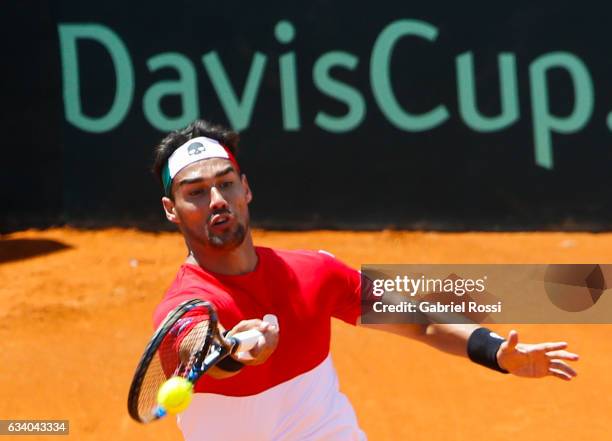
point(189, 283)
point(189, 275)
point(191, 280)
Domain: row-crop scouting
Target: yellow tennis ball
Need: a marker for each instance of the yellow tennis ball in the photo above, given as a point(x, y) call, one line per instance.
point(175, 395)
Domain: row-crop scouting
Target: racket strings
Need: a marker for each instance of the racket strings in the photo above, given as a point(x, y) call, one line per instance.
point(192, 347)
point(175, 356)
point(154, 377)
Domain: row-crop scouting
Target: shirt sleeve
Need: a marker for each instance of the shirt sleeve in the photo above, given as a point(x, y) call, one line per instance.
point(344, 284)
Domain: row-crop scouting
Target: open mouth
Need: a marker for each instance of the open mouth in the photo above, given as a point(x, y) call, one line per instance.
point(220, 219)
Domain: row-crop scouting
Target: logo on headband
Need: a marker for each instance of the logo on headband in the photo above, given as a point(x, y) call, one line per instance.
point(196, 148)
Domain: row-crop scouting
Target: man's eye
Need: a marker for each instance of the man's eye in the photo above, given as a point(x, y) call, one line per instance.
point(226, 184)
point(196, 192)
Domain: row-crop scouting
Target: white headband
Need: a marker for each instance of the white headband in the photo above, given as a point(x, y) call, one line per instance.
point(195, 149)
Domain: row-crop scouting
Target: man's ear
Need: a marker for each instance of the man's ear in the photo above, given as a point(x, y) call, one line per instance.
point(247, 189)
point(170, 210)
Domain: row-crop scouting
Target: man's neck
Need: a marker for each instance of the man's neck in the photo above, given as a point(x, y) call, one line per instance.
point(240, 260)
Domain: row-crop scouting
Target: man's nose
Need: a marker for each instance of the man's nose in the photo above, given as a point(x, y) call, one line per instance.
point(217, 201)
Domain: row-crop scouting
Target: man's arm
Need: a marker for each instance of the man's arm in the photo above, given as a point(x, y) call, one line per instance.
point(524, 360)
point(451, 339)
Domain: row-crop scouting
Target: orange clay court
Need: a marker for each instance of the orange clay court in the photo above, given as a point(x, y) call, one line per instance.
point(75, 309)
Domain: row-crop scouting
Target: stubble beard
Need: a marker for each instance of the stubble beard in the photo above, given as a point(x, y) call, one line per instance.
point(228, 240)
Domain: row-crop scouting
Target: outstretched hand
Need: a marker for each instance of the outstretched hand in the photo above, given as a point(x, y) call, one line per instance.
point(536, 360)
point(264, 347)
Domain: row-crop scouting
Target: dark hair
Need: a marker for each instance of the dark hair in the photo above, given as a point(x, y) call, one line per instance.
point(199, 127)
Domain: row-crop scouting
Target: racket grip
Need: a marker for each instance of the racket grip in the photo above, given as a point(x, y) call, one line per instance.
point(245, 341)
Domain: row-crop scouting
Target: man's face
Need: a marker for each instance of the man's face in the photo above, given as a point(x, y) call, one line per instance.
point(210, 203)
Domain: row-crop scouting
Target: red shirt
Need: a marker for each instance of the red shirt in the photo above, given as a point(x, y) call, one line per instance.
point(304, 289)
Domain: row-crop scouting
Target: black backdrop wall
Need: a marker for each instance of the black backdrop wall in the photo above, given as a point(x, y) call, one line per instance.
point(439, 115)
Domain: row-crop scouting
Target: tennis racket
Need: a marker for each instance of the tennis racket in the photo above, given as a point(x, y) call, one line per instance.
point(173, 351)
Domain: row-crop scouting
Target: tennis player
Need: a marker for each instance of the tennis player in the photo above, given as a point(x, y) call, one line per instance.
point(286, 388)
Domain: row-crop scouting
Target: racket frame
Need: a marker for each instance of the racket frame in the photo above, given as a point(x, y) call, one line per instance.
point(204, 359)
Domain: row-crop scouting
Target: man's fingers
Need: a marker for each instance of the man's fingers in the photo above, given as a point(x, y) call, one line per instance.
point(272, 336)
point(512, 339)
point(547, 347)
point(267, 345)
point(564, 355)
point(245, 325)
point(559, 374)
point(562, 366)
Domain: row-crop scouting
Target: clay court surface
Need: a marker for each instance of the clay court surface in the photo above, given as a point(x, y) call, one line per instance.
point(75, 309)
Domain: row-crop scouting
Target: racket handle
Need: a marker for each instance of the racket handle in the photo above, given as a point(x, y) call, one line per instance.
point(245, 341)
